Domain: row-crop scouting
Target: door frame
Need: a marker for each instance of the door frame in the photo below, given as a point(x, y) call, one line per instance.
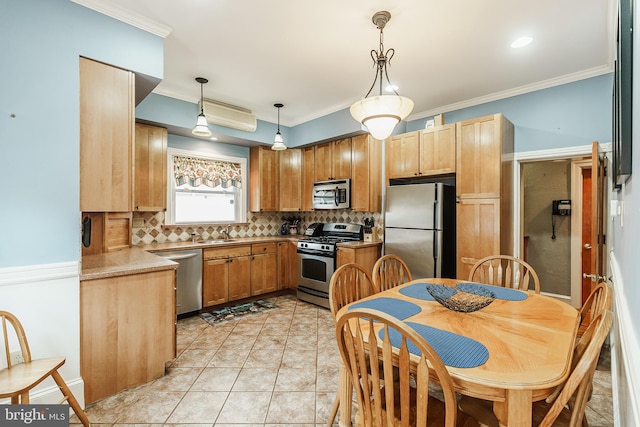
point(577, 166)
point(565, 153)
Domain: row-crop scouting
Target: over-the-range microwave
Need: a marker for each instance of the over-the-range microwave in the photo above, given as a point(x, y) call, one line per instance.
point(332, 194)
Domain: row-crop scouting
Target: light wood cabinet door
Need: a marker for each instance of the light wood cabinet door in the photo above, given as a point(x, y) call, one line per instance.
point(215, 282)
point(323, 162)
point(264, 183)
point(366, 169)
point(402, 155)
point(308, 177)
point(438, 150)
point(341, 159)
point(150, 172)
point(239, 278)
point(366, 256)
point(479, 156)
point(264, 273)
point(284, 265)
point(106, 133)
point(127, 331)
point(478, 232)
point(290, 179)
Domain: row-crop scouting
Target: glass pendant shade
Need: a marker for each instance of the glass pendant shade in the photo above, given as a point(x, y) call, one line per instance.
point(202, 127)
point(278, 141)
point(380, 114)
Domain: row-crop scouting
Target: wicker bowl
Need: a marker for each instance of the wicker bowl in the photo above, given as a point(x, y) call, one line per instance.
point(460, 301)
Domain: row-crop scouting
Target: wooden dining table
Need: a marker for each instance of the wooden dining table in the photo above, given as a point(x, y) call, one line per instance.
point(529, 344)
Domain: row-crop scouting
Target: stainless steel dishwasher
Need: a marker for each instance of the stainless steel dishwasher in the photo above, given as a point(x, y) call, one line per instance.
point(188, 279)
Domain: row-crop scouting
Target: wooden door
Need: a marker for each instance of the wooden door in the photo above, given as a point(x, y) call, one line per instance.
point(150, 177)
point(341, 159)
point(323, 162)
point(106, 132)
point(478, 232)
point(290, 179)
point(308, 177)
point(215, 283)
point(402, 155)
point(239, 277)
point(479, 157)
point(597, 270)
point(438, 150)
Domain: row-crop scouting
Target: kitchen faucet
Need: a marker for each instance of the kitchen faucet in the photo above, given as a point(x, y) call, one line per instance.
point(225, 232)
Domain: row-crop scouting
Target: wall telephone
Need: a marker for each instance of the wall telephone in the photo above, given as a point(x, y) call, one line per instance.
point(559, 208)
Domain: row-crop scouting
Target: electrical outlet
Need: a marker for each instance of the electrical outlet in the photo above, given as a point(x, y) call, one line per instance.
point(16, 358)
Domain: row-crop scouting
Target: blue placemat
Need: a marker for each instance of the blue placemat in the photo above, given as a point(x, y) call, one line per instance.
point(397, 308)
point(418, 291)
point(455, 350)
point(500, 293)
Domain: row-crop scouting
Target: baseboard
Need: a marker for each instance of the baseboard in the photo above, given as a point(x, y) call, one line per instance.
point(625, 353)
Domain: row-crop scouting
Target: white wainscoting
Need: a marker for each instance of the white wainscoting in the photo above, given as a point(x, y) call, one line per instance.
point(625, 352)
point(46, 300)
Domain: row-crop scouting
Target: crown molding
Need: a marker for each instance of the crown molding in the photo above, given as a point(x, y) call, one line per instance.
point(545, 84)
point(127, 17)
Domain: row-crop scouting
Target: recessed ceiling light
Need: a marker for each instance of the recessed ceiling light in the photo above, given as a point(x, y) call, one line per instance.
point(521, 42)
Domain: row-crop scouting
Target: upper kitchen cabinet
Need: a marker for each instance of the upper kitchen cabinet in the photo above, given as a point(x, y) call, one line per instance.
point(263, 173)
point(366, 169)
point(150, 173)
point(290, 179)
point(106, 133)
point(485, 157)
point(333, 160)
point(422, 153)
point(308, 177)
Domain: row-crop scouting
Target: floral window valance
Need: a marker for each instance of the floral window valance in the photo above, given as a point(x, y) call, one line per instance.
point(211, 173)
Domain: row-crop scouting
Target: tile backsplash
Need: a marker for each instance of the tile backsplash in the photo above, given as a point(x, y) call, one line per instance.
point(149, 227)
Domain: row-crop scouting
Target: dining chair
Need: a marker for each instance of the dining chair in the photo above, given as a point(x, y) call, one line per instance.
point(505, 271)
point(390, 271)
point(370, 360)
point(16, 380)
point(568, 407)
point(599, 300)
point(349, 283)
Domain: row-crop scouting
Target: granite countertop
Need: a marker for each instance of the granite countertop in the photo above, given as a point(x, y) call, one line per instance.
point(359, 244)
point(121, 263)
point(171, 246)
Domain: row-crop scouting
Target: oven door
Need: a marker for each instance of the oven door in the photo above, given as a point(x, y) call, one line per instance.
point(314, 274)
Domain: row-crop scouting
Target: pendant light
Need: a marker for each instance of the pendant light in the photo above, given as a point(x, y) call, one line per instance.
point(278, 142)
point(381, 113)
point(202, 127)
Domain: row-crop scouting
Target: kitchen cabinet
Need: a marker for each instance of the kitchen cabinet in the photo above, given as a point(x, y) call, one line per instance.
point(333, 160)
point(308, 177)
point(484, 187)
point(264, 268)
point(150, 171)
point(290, 180)
point(264, 182)
point(365, 254)
point(284, 265)
point(422, 153)
point(106, 134)
point(225, 274)
point(127, 331)
point(366, 169)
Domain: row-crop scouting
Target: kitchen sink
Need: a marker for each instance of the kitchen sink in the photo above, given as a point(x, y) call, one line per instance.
point(214, 241)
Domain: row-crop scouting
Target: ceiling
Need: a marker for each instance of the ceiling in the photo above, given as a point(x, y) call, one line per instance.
point(314, 56)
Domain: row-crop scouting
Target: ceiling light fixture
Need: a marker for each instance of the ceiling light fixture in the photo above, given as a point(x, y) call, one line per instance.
point(202, 127)
point(278, 142)
point(381, 113)
point(521, 42)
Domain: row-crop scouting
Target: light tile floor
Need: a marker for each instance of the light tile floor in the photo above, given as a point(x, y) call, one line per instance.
point(278, 368)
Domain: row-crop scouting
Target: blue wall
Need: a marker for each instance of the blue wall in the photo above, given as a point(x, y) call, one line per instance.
point(41, 43)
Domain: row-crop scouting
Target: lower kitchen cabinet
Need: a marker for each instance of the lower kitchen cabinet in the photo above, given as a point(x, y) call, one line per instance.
point(284, 265)
point(366, 255)
point(225, 274)
point(264, 268)
point(127, 331)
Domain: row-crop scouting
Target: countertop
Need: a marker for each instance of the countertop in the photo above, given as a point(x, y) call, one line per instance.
point(141, 258)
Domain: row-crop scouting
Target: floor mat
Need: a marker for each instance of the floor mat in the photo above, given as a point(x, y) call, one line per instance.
point(234, 312)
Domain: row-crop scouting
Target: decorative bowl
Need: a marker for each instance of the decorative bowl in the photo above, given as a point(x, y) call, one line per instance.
point(460, 301)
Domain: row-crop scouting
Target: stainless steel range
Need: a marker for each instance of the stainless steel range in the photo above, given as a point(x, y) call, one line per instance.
point(317, 258)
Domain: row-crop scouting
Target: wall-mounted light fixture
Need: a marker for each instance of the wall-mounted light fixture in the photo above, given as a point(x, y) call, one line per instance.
point(381, 113)
point(202, 126)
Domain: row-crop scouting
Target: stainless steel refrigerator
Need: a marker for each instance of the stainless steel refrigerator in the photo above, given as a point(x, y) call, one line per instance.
point(420, 228)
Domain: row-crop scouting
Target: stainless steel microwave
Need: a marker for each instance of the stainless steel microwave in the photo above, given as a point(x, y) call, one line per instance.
point(332, 194)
